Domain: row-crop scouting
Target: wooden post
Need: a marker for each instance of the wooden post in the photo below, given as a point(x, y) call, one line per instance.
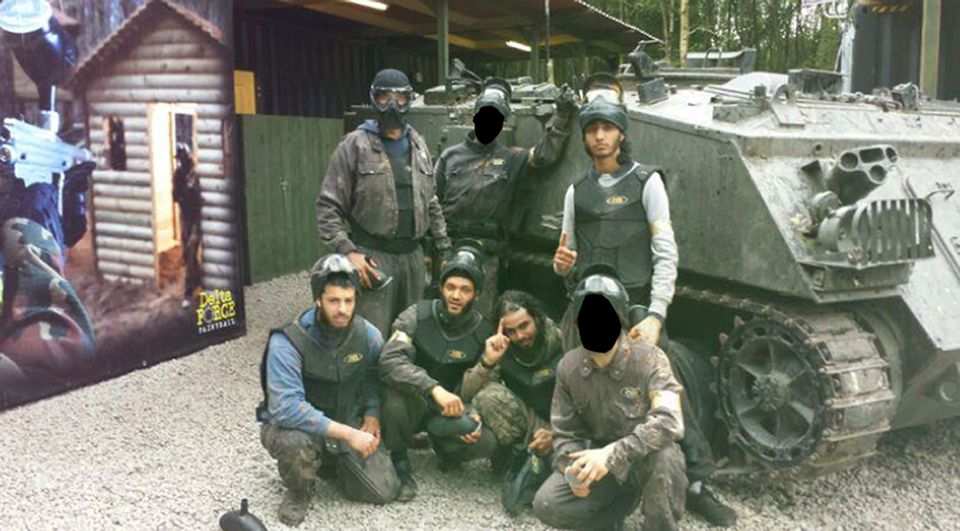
point(930, 48)
point(684, 30)
point(443, 41)
point(535, 57)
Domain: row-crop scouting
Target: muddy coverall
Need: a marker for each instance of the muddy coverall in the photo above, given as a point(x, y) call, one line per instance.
point(634, 404)
point(475, 185)
point(379, 198)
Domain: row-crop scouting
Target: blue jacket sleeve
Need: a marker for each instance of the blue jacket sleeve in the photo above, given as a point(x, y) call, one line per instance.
point(370, 393)
point(288, 403)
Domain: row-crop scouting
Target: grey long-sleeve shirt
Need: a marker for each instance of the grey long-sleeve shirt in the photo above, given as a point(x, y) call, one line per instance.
point(662, 242)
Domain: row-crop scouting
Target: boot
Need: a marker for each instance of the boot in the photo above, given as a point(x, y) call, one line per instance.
point(706, 504)
point(408, 485)
point(293, 508)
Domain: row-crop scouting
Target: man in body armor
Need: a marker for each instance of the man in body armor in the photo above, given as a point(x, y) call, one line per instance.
point(619, 214)
point(321, 401)
point(512, 384)
point(615, 416)
point(476, 178)
point(187, 194)
point(380, 183)
point(433, 343)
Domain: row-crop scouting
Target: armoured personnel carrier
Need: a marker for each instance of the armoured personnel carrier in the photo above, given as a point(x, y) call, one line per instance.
point(818, 304)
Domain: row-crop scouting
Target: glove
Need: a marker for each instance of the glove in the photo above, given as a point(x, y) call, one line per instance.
point(566, 103)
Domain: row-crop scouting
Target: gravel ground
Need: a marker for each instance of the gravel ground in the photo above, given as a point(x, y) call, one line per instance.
point(175, 445)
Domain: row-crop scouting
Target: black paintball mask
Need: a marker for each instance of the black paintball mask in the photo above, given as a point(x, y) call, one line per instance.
point(391, 95)
point(602, 305)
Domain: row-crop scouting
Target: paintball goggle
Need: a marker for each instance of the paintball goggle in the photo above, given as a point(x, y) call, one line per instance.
point(602, 85)
point(383, 98)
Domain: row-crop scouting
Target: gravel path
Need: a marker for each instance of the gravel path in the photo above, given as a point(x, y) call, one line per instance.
point(175, 445)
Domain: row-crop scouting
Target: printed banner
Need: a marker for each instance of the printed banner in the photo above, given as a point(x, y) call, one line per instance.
point(119, 207)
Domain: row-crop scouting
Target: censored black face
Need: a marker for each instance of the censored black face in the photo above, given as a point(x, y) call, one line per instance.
point(487, 124)
point(598, 323)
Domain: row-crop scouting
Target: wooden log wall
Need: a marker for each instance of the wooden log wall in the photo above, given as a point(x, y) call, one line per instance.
point(174, 63)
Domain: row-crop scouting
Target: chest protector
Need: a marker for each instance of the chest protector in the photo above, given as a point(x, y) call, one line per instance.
point(446, 357)
point(533, 384)
point(612, 227)
point(331, 378)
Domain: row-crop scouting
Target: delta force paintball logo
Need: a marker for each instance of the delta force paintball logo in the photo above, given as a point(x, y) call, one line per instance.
point(217, 310)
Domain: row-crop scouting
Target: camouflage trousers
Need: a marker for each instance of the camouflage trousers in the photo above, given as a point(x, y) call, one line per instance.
point(299, 455)
point(409, 273)
point(46, 335)
point(504, 413)
point(657, 480)
point(405, 414)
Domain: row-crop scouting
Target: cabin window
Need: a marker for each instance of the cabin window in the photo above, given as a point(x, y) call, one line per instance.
point(117, 144)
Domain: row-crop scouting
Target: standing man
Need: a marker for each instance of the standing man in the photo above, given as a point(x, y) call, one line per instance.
point(512, 385)
point(433, 343)
point(321, 402)
point(380, 182)
point(476, 178)
point(615, 416)
point(186, 193)
point(619, 215)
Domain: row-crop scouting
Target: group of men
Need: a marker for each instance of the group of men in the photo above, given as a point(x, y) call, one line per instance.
point(485, 374)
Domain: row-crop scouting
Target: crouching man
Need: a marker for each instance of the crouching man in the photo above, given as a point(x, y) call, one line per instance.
point(322, 398)
point(433, 343)
point(616, 418)
point(512, 384)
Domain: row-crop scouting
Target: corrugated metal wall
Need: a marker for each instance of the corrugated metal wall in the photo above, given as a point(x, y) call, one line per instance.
point(303, 72)
point(122, 200)
point(284, 161)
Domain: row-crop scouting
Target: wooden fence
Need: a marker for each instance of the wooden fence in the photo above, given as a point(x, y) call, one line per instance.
point(284, 159)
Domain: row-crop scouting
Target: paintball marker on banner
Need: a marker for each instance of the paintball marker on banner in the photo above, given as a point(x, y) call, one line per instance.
point(36, 155)
point(47, 53)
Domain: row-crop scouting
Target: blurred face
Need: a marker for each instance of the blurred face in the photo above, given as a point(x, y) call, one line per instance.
point(520, 328)
point(602, 139)
point(458, 292)
point(336, 305)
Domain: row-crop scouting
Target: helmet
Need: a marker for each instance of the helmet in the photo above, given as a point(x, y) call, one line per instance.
point(396, 86)
point(496, 93)
point(328, 266)
point(602, 279)
point(468, 261)
point(604, 97)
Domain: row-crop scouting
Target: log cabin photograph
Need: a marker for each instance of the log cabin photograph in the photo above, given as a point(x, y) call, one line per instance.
point(147, 233)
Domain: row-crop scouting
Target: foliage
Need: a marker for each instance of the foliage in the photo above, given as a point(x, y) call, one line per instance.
point(785, 34)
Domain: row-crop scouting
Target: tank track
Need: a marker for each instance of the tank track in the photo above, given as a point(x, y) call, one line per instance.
point(850, 377)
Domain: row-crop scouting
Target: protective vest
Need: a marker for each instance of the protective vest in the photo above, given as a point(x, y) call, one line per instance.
point(403, 180)
point(612, 227)
point(332, 380)
point(534, 385)
point(447, 357)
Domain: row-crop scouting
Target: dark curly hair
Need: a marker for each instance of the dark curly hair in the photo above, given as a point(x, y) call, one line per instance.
point(514, 300)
